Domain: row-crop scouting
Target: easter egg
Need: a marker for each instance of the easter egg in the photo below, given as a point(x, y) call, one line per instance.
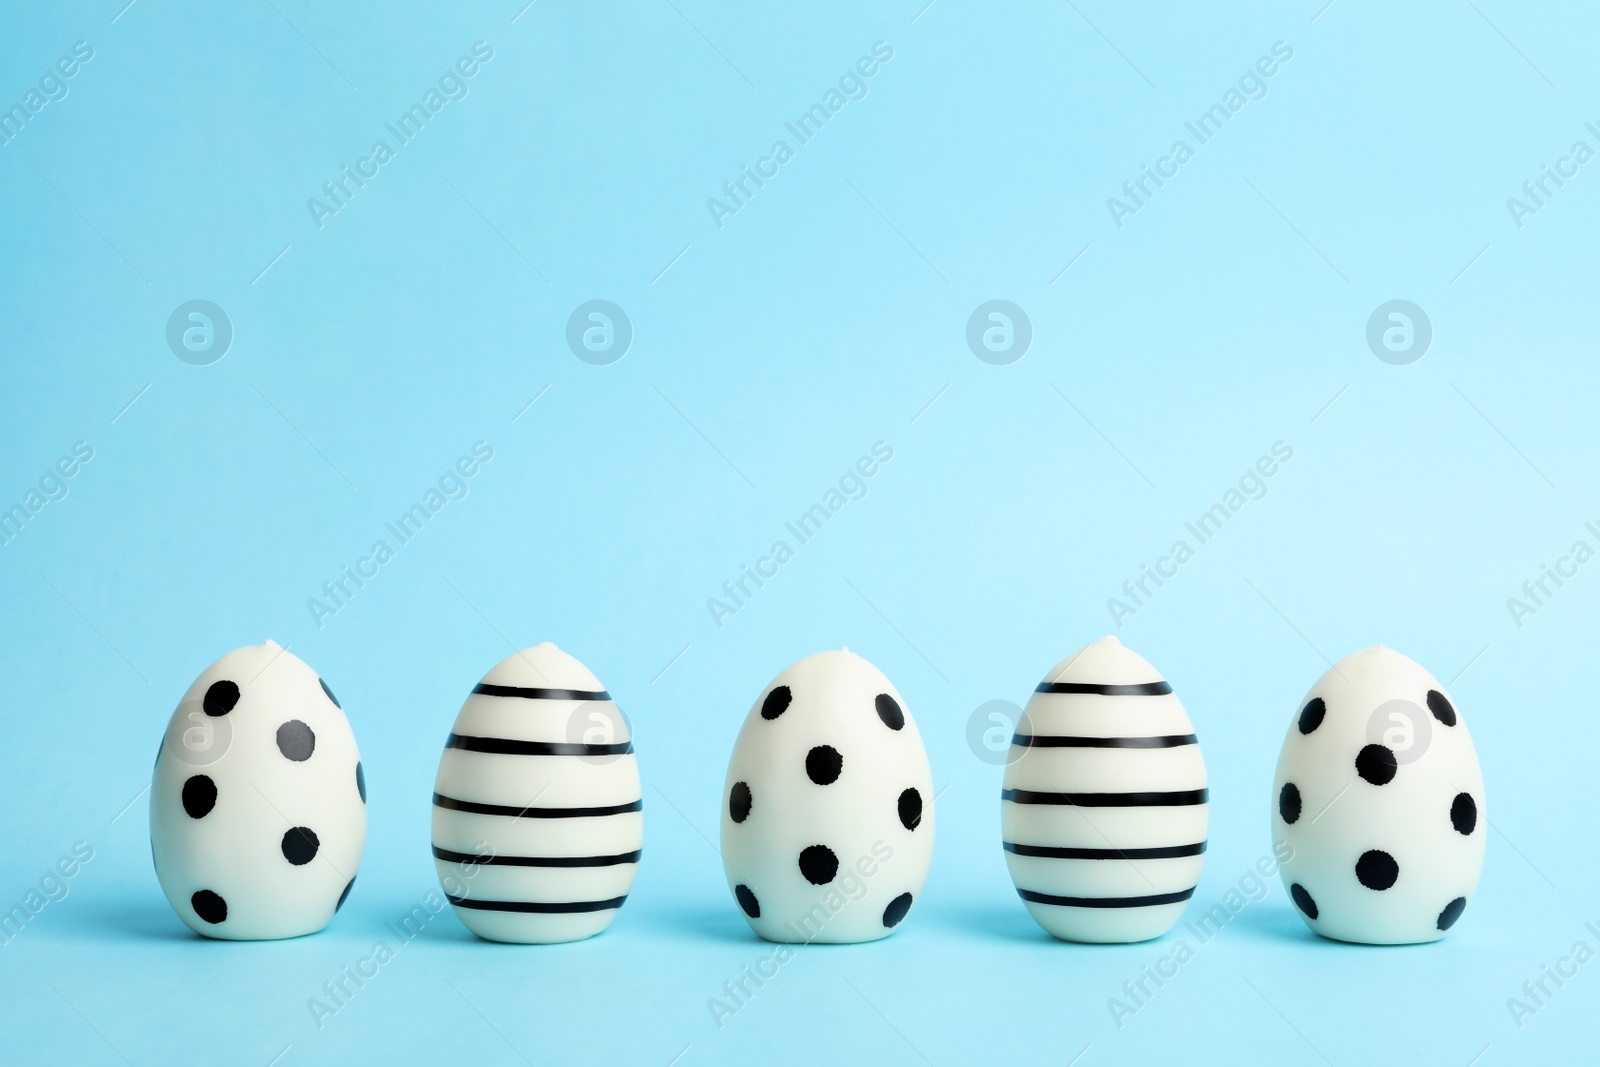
point(258, 805)
point(1104, 803)
point(536, 808)
point(827, 820)
point(1378, 804)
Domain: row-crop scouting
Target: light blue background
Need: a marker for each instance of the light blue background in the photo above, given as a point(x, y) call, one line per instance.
point(1226, 315)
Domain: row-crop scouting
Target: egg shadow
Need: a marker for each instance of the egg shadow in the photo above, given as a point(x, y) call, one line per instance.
point(992, 922)
point(1274, 924)
point(142, 919)
point(699, 922)
point(444, 929)
point(1284, 924)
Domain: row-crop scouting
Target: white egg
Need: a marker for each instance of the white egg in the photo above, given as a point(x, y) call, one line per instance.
point(827, 825)
point(536, 809)
point(1378, 804)
point(258, 806)
point(1104, 804)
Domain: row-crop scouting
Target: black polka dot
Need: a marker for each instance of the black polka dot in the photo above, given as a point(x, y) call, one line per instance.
point(819, 864)
point(361, 782)
point(351, 884)
point(331, 697)
point(897, 910)
point(1311, 715)
point(220, 699)
point(1452, 911)
point(889, 711)
point(1377, 869)
point(910, 810)
point(296, 741)
point(747, 901)
point(1289, 802)
point(823, 764)
point(300, 845)
point(1464, 814)
point(1303, 901)
point(1376, 764)
point(1441, 708)
point(210, 907)
point(739, 800)
point(776, 704)
point(200, 796)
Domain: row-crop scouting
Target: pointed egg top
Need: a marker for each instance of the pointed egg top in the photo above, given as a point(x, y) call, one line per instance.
point(543, 666)
point(1105, 662)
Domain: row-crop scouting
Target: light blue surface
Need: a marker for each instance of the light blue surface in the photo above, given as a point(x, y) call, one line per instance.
point(828, 313)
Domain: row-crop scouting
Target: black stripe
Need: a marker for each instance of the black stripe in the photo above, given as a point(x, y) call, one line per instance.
point(1163, 852)
point(510, 747)
point(1108, 800)
point(475, 808)
point(1048, 741)
point(537, 907)
point(528, 693)
point(1141, 689)
point(468, 859)
point(1107, 902)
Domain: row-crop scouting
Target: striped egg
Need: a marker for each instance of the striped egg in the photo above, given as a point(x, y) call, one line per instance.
point(536, 809)
point(1103, 809)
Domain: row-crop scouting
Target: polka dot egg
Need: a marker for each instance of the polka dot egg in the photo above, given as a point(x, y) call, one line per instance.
point(827, 819)
point(258, 806)
point(1378, 804)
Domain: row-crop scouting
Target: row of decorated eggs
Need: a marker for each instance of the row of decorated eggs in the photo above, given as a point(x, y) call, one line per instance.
point(258, 804)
